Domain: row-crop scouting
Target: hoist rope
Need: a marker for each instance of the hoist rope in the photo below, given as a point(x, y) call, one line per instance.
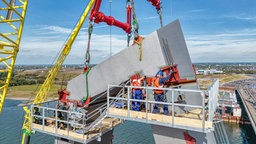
point(87, 54)
point(135, 24)
point(110, 30)
point(87, 59)
point(160, 17)
point(129, 7)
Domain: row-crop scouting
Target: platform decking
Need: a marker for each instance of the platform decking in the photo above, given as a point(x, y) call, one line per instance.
point(192, 119)
point(107, 124)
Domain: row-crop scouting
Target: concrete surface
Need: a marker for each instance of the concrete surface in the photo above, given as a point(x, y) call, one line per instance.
point(160, 48)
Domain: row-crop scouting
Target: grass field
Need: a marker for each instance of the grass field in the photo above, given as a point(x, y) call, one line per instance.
point(30, 91)
point(223, 78)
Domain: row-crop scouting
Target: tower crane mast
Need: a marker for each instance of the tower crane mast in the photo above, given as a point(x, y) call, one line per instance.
point(10, 37)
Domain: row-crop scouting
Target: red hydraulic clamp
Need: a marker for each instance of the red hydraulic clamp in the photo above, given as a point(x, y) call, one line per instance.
point(156, 3)
point(175, 77)
point(98, 17)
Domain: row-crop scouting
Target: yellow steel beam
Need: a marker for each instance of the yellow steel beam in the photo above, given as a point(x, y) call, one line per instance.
point(4, 70)
point(8, 57)
point(2, 82)
point(7, 38)
point(41, 95)
point(13, 9)
point(4, 44)
point(10, 34)
point(45, 88)
point(10, 22)
point(6, 52)
point(7, 65)
point(13, 20)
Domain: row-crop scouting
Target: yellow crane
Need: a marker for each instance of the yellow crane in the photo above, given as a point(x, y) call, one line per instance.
point(44, 90)
point(11, 30)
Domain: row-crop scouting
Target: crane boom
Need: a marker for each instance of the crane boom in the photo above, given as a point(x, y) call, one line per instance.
point(10, 41)
point(44, 90)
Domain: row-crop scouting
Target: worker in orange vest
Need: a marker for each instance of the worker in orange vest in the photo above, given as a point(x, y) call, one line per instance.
point(159, 95)
point(137, 93)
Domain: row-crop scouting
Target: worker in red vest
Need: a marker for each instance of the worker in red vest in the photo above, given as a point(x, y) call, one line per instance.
point(159, 95)
point(137, 93)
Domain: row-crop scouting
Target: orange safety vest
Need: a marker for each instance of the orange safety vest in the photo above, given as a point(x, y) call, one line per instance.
point(136, 83)
point(156, 84)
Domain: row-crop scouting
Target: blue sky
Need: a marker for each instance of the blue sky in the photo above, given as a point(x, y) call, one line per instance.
point(215, 30)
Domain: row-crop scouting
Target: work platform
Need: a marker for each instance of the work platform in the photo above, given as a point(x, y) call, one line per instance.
point(105, 126)
point(85, 127)
point(78, 126)
point(183, 120)
point(195, 117)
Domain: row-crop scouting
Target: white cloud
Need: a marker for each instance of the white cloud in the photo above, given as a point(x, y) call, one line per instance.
point(246, 18)
point(96, 27)
point(196, 11)
point(235, 46)
point(58, 29)
point(242, 16)
point(148, 18)
point(45, 45)
point(239, 46)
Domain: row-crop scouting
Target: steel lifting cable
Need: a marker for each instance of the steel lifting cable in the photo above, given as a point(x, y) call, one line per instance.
point(110, 30)
point(135, 26)
point(129, 8)
point(87, 59)
point(159, 12)
point(87, 54)
point(128, 39)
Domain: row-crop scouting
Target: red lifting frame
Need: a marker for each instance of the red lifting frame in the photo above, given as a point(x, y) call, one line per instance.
point(156, 3)
point(101, 17)
point(175, 77)
point(189, 139)
point(63, 98)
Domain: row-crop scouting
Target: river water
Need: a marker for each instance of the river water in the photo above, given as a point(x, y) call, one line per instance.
point(11, 120)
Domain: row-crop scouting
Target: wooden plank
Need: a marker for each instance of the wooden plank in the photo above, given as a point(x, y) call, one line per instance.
point(193, 114)
point(107, 123)
point(184, 121)
point(60, 131)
